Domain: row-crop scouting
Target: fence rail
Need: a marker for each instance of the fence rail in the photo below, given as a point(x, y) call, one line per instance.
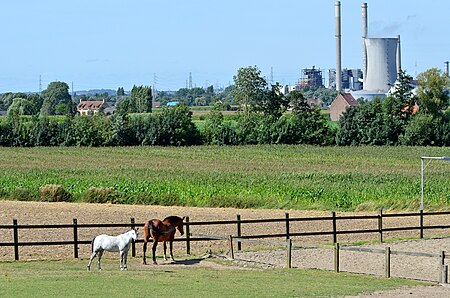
point(334, 232)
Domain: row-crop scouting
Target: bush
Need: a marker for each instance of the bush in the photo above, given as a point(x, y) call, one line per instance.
point(421, 131)
point(54, 193)
point(100, 195)
point(22, 194)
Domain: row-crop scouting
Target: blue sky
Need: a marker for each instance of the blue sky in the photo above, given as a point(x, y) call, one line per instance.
point(117, 43)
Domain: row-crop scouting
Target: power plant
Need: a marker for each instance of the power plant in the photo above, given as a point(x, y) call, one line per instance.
point(381, 59)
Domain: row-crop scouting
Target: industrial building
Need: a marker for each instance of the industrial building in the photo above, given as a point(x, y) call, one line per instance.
point(311, 77)
point(381, 60)
point(351, 79)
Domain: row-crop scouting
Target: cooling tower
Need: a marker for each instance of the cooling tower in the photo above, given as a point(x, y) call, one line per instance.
point(382, 63)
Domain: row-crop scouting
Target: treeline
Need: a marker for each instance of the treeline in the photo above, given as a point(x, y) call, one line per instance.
point(170, 127)
point(266, 117)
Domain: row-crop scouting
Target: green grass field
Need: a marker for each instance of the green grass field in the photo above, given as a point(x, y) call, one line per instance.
point(69, 278)
point(269, 176)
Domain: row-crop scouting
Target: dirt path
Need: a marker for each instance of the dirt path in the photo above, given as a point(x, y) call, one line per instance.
point(63, 213)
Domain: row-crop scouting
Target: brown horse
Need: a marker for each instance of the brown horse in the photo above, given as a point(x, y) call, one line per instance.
point(162, 231)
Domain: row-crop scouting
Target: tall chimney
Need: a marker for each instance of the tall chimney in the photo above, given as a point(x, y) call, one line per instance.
point(446, 68)
point(399, 56)
point(364, 35)
point(337, 7)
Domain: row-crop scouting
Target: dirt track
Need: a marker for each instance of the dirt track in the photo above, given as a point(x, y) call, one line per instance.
point(63, 213)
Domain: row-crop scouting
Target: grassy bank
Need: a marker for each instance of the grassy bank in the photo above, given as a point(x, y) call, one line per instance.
point(298, 177)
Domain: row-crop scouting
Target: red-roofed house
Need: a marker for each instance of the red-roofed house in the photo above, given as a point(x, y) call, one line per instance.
point(340, 104)
point(91, 107)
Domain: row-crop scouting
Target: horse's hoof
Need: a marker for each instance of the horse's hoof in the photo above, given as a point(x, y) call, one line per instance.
point(100, 269)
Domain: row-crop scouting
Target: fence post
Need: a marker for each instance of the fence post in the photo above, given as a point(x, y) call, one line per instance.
point(230, 241)
point(239, 246)
point(289, 253)
point(133, 245)
point(16, 240)
point(287, 227)
point(188, 236)
point(421, 224)
point(333, 214)
point(75, 239)
point(388, 262)
point(444, 274)
point(442, 268)
point(336, 257)
point(380, 225)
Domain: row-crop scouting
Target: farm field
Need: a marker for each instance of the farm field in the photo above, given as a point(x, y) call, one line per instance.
point(277, 177)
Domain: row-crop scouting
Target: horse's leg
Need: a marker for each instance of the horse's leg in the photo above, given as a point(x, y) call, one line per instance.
point(171, 250)
point(155, 243)
point(125, 257)
point(122, 260)
point(144, 248)
point(165, 249)
point(90, 260)
point(99, 256)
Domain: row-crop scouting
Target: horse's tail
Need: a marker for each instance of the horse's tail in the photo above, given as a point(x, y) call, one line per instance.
point(149, 225)
point(92, 244)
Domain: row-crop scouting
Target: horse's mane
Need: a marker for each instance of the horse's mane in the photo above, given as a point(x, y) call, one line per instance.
point(173, 219)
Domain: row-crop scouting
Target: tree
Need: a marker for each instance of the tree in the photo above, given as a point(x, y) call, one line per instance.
point(57, 93)
point(298, 102)
point(249, 88)
point(324, 94)
point(7, 99)
point(120, 91)
point(433, 91)
point(20, 106)
point(421, 131)
point(36, 101)
point(398, 107)
point(141, 99)
point(273, 103)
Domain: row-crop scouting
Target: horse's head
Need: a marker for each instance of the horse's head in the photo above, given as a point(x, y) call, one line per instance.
point(135, 233)
point(180, 226)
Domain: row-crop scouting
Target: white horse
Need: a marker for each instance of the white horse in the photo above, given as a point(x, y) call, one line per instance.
point(119, 243)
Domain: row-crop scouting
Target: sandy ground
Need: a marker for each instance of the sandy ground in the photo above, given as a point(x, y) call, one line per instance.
point(322, 258)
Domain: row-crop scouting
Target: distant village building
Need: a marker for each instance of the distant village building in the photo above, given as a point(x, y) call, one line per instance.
point(341, 103)
point(316, 102)
point(93, 107)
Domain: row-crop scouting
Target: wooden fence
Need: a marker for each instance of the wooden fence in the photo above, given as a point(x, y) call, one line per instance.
point(443, 268)
point(334, 232)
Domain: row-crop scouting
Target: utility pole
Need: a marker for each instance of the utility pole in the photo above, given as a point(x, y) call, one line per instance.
point(72, 90)
point(271, 75)
point(190, 80)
